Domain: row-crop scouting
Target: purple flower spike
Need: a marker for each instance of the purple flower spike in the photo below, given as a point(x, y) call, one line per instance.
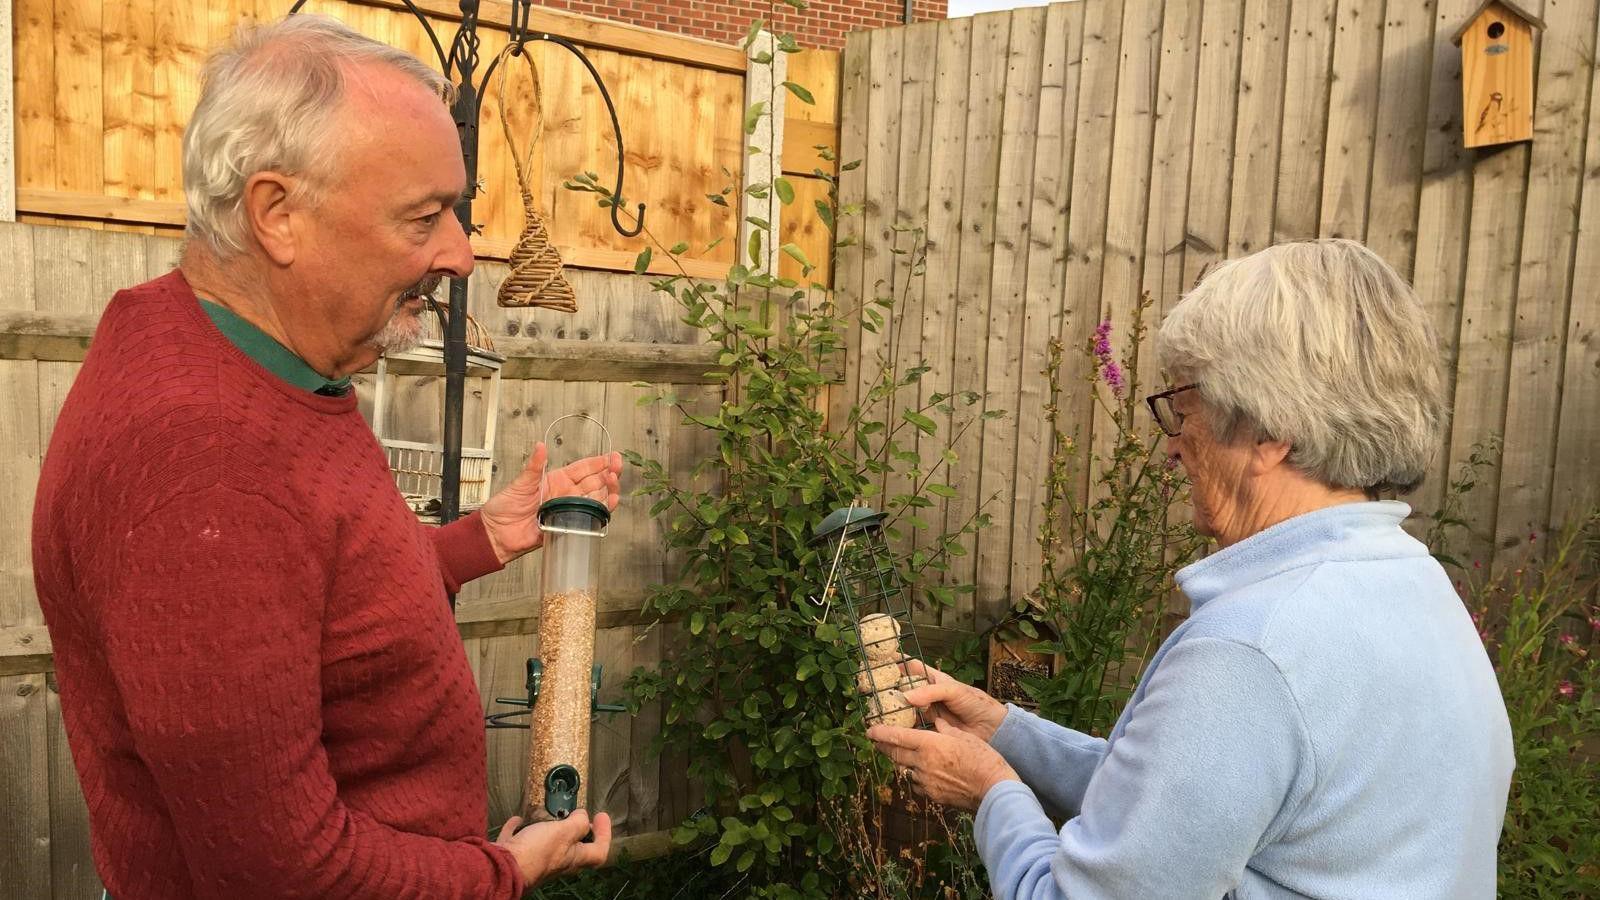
point(1102, 341)
point(1112, 374)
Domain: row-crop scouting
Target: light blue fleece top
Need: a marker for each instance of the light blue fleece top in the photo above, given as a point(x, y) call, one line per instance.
point(1325, 724)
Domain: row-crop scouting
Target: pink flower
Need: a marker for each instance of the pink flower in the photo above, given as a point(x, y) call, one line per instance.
point(1594, 623)
point(1476, 564)
point(1567, 639)
point(1533, 536)
point(1112, 374)
point(1102, 341)
point(1565, 689)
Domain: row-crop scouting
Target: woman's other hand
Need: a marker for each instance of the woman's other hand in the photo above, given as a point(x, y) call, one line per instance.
point(960, 705)
point(947, 765)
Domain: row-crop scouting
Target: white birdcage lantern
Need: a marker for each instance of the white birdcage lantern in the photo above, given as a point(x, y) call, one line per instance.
point(418, 466)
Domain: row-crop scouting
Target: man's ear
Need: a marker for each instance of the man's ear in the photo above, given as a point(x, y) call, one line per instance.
point(1268, 454)
point(267, 204)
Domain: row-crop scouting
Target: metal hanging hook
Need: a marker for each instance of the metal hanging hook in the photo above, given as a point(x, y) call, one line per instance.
point(544, 476)
point(518, 45)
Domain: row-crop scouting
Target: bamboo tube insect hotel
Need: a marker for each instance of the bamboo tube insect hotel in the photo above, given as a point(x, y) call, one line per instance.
point(864, 593)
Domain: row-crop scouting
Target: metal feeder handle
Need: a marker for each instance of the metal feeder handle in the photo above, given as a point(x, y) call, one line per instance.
point(544, 477)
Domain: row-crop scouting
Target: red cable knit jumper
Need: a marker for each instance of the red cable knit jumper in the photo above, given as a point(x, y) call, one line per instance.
point(262, 683)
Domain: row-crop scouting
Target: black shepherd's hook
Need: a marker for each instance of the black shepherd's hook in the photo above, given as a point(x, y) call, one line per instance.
point(520, 37)
point(466, 42)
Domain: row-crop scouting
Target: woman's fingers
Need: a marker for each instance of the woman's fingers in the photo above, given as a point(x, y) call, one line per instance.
point(927, 695)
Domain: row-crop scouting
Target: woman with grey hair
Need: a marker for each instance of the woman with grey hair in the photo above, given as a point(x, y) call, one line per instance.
point(1326, 723)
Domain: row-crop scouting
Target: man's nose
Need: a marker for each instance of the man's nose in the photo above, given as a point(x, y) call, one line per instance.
point(455, 257)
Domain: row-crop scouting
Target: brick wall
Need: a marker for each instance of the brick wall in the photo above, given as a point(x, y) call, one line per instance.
point(824, 24)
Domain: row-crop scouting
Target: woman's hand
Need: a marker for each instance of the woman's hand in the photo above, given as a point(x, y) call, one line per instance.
point(948, 766)
point(511, 517)
point(960, 705)
point(547, 849)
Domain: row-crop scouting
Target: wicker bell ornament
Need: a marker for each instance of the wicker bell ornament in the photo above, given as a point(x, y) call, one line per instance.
point(535, 278)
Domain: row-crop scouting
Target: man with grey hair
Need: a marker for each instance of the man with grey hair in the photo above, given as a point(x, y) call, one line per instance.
point(262, 682)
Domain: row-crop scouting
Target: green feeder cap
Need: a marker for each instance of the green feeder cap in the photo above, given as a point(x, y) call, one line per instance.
point(575, 504)
point(847, 520)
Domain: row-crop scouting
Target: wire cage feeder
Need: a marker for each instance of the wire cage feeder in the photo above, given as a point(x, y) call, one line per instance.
point(418, 466)
point(865, 595)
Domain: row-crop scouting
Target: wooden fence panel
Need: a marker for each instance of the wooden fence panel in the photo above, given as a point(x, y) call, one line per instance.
point(911, 211)
point(991, 36)
point(1271, 122)
point(1578, 445)
point(105, 89)
point(1047, 267)
point(1352, 110)
point(1019, 135)
point(1305, 120)
point(946, 182)
point(24, 761)
point(1443, 205)
point(1566, 63)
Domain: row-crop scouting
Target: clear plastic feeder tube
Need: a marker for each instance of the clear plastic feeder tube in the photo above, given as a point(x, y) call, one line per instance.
point(558, 749)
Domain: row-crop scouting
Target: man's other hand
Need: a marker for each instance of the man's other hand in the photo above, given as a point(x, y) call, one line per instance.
point(511, 517)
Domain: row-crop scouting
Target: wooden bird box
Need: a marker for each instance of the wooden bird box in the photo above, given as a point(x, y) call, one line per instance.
point(1497, 74)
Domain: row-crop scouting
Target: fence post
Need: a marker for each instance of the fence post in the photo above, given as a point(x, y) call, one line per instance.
point(763, 83)
point(8, 140)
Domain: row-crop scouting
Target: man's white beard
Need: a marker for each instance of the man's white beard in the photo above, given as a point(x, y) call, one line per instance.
point(402, 332)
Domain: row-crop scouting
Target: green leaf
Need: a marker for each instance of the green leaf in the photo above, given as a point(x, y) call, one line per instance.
point(678, 248)
point(750, 35)
point(697, 622)
point(825, 213)
point(796, 254)
point(641, 262)
point(720, 854)
point(801, 92)
point(754, 249)
point(1546, 855)
point(784, 190)
point(746, 860)
point(920, 421)
point(753, 115)
point(942, 490)
point(806, 668)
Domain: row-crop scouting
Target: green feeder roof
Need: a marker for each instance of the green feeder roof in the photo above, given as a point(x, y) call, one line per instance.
point(846, 520)
point(576, 504)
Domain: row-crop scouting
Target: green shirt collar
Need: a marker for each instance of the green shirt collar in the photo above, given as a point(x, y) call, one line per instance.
point(272, 356)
